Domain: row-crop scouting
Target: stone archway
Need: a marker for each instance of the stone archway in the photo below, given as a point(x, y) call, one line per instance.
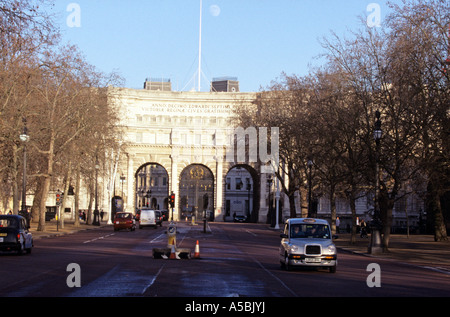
point(196, 192)
point(242, 193)
point(152, 186)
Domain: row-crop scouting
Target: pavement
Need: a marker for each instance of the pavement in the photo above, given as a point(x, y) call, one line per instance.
point(54, 230)
point(419, 250)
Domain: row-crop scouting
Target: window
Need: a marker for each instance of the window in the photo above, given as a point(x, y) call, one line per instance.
point(249, 185)
point(10, 222)
point(183, 139)
point(239, 183)
point(318, 231)
point(139, 137)
point(198, 139)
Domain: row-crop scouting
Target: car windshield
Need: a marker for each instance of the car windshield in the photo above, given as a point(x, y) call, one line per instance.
point(123, 216)
point(8, 223)
point(303, 230)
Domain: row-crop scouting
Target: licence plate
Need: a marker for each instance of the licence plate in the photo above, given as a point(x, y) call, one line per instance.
point(313, 260)
point(3, 234)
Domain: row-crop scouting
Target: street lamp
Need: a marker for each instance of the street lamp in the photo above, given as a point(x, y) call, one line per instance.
point(271, 209)
point(122, 180)
point(24, 137)
point(96, 221)
point(375, 245)
point(148, 197)
point(310, 164)
point(277, 197)
point(249, 187)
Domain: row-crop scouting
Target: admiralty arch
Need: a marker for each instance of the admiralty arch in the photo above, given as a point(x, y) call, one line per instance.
point(178, 142)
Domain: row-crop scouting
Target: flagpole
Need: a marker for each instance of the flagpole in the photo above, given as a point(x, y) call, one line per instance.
point(200, 49)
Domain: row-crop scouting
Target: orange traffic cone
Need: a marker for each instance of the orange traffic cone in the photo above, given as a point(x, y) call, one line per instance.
point(197, 251)
point(172, 252)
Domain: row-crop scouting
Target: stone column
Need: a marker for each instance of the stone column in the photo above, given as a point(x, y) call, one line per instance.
point(264, 196)
point(218, 190)
point(130, 193)
point(174, 187)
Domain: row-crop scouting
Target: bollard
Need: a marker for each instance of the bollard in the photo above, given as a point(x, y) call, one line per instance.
point(171, 235)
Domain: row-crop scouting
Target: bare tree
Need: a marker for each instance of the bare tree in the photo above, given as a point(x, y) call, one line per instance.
point(284, 105)
point(419, 50)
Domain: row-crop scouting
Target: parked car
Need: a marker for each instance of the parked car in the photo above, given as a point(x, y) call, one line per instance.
point(124, 220)
point(240, 218)
point(158, 217)
point(307, 242)
point(165, 215)
point(147, 218)
point(14, 234)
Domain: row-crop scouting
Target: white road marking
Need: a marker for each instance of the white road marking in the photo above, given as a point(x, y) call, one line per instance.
point(103, 237)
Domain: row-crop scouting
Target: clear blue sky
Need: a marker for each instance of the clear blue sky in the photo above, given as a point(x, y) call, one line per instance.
point(254, 40)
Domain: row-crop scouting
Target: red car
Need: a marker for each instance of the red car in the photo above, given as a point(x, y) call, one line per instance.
point(124, 220)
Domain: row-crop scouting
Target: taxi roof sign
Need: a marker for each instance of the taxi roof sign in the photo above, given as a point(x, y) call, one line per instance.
point(306, 220)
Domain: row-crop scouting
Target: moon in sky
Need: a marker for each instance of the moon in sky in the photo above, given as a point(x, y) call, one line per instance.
point(214, 10)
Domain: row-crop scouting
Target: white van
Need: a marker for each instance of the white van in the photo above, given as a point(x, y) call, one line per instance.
point(147, 218)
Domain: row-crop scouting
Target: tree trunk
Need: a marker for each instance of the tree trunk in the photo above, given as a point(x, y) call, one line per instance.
point(15, 188)
point(42, 203)
point(292, 207)
point(77, 199)
point(46, 183)
point(66, 193)
point(333, 209)
point(387, 229)
point(386, 205)
point(353, 210)
point(304, 201)
point(37, 201)
point(440, 232)
point(435, 210)
point(91, 201)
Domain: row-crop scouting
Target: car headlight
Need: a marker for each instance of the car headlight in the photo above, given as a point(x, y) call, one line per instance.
point(331, 249)
point(293, 248)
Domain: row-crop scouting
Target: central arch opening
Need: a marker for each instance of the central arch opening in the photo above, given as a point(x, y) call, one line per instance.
point(152, 187)
point(197, 192)
point(242, 194)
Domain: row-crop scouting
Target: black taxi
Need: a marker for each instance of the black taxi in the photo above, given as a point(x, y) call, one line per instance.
point(14, 234)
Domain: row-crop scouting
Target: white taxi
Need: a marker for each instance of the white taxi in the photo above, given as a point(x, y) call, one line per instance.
point(307, 242)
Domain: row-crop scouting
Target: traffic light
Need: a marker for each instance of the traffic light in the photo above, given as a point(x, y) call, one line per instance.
point(172, 200)
point(58, 198)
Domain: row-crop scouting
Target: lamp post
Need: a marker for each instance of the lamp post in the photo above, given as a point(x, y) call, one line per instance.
point(249, 187)
point(310, 164)
point(375, 245)
point(269, 183)
point(277, 197)
point(24, 137)
point(122, 180)
point(96, 221)
point(148, 196)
